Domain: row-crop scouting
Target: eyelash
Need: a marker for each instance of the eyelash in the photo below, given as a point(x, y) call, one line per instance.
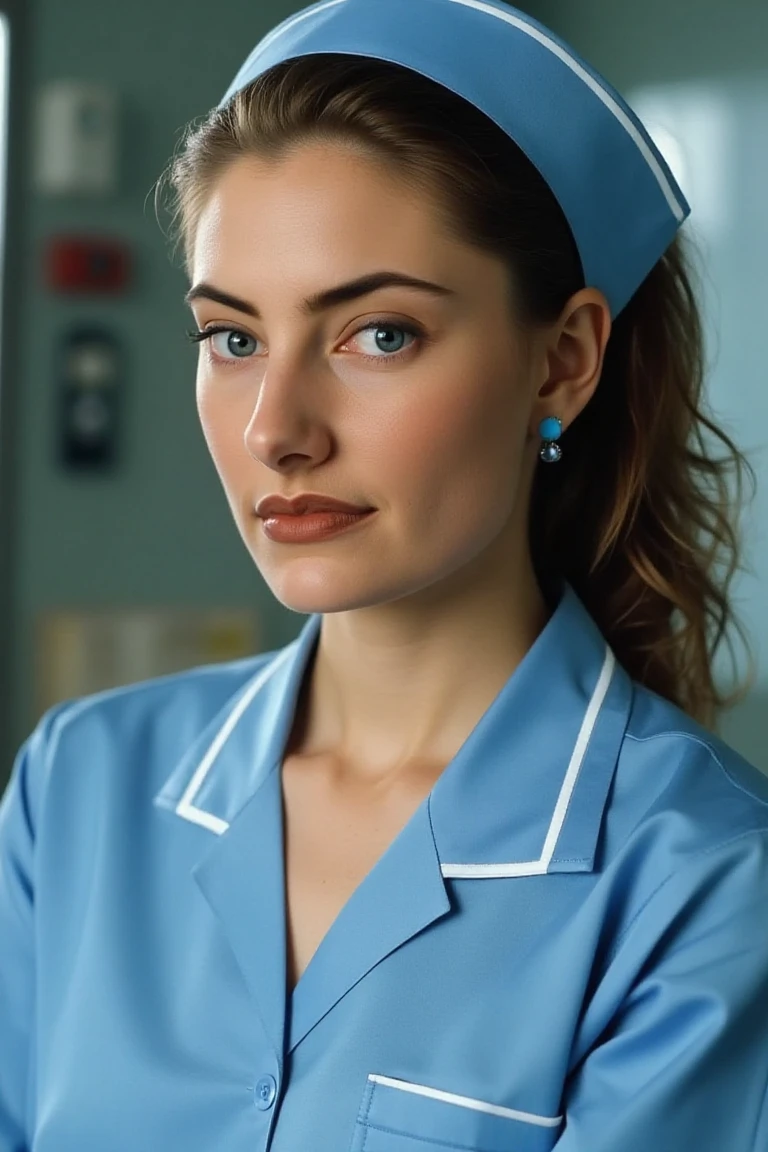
point(198, 335)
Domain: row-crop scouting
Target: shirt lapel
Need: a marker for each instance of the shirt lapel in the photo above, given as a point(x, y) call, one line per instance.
point(524, 795)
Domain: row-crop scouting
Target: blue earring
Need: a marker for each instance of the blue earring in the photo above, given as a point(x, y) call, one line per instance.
point(549, 430)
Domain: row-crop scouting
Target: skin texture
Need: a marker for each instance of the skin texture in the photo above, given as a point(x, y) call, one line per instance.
point(430, 606)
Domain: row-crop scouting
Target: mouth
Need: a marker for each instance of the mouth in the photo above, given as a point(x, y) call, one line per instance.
point(306, 527)
point(320, 510)
point(300, 507)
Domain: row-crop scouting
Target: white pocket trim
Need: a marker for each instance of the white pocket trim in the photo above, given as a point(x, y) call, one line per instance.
point(468, 1102)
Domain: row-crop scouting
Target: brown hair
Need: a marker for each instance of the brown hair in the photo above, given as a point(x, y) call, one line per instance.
point(637, 515)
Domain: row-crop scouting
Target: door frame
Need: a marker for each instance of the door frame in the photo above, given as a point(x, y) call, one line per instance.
point(18, 157)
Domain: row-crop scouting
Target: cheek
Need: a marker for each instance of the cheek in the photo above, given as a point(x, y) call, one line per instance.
point(220, 424)
point(458, 450)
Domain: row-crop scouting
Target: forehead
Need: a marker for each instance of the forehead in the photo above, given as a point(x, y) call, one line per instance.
point(277, 231)
point(318, 196)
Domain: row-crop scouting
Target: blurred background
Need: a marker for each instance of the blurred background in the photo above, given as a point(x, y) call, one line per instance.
point(119, 557)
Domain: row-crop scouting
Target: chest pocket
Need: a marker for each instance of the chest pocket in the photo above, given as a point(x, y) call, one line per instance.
point(398, 1116)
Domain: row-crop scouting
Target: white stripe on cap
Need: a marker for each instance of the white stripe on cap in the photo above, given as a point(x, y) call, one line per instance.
point(642, 145)
point(669, 195)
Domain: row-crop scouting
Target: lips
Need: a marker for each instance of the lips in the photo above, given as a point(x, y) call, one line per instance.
point(307, 503)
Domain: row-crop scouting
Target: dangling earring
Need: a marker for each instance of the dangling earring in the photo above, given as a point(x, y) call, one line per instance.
point(549, 430)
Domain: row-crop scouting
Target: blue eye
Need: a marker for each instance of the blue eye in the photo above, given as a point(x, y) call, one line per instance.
point(206, 334)
point(377, 326)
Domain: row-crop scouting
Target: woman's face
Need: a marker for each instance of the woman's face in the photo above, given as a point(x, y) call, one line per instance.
point(432, 429)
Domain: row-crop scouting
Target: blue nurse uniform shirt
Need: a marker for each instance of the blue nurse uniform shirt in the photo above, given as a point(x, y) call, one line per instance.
point(566, 947)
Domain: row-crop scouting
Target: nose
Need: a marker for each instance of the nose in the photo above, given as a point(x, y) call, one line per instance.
point(283, 425)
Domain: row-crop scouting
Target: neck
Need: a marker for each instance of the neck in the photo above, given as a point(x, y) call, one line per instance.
point(403, 684)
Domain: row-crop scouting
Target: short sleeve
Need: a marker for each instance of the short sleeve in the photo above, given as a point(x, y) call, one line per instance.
point(18, 814)
point(684, 1063)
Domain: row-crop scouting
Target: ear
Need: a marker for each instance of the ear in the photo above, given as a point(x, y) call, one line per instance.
point(570, 358)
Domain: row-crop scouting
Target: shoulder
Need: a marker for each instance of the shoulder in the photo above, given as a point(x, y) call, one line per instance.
point(205, 687)
point(683, 763)
point(683, 848)
point(185, 700)
point(680, 794)
point(139, 729)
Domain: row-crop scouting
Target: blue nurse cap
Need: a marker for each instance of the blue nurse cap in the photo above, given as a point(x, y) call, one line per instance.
point(615, 188)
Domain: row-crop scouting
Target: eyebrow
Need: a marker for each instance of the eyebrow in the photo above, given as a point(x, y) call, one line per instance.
point(328, 298)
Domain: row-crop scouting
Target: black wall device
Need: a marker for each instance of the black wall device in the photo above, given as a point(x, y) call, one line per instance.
point(89, 369)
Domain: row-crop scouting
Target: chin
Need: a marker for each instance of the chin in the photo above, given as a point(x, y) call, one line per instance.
point(310, 592)
point(310, 596)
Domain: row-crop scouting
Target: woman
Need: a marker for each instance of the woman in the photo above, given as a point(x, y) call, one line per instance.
point(464, 866)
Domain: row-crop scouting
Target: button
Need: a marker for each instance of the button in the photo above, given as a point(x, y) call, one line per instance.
point(265, 1092)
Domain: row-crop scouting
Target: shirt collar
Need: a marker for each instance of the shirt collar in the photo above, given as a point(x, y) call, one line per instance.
point(525, 793)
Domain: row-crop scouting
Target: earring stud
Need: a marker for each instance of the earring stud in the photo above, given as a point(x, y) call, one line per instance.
point(549, 430)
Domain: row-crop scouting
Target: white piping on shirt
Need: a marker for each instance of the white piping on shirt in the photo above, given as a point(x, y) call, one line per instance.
point(540, 866)
point(189, 811)
point(468, 1102)
point(185, 807)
